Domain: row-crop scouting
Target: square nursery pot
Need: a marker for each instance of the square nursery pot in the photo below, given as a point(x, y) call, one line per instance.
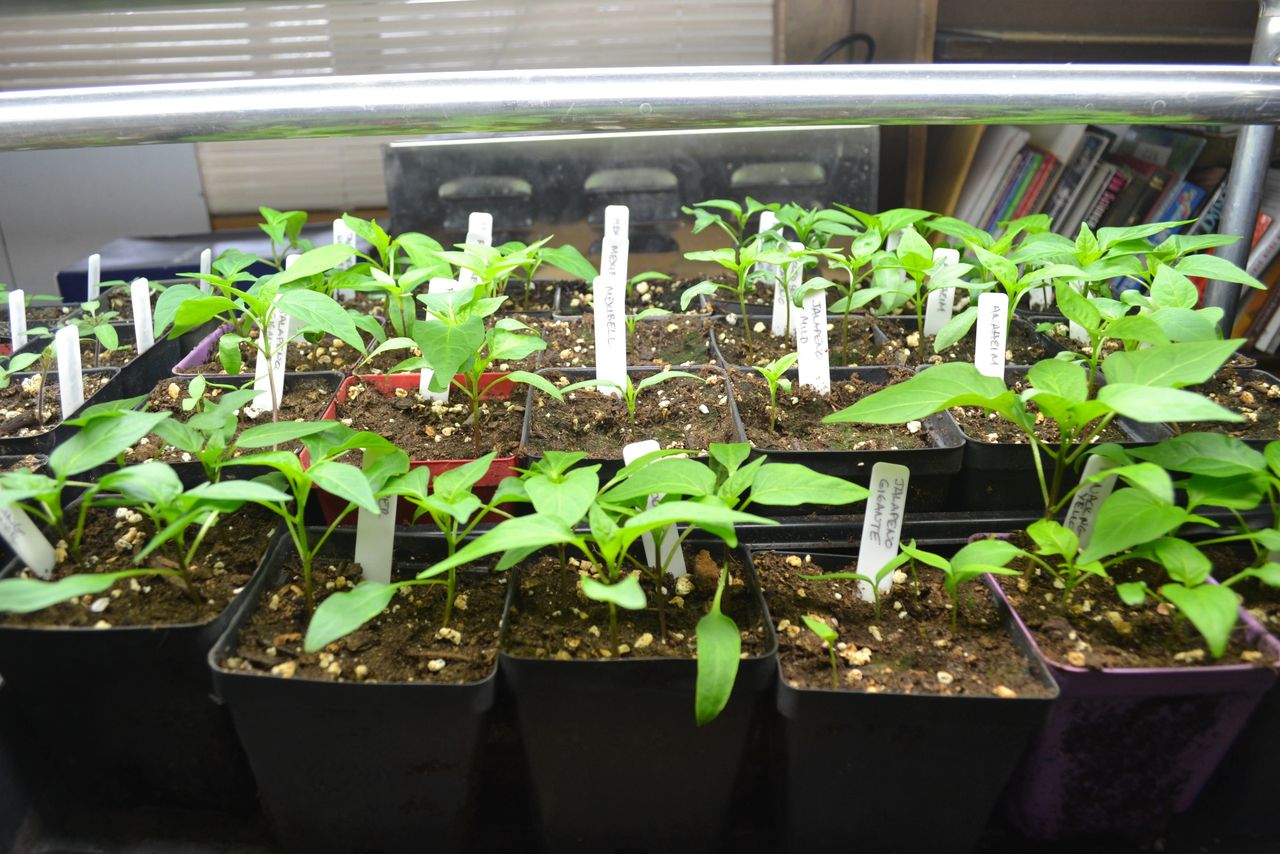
point(932, 469)
point(198, 352)
point(616, 760)
point(899, 754)
point(568, 291)
point(139, 373)
point(610, 466)
point(29, 462)
point(1125, 749)
point(357, 766)
point(123, 717)
point(999, 476)
point(386, 385)
point(46, 439)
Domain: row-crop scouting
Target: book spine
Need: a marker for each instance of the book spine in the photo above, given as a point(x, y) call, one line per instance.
point(992, 211)
point(1031, 202)
point(1114, 187)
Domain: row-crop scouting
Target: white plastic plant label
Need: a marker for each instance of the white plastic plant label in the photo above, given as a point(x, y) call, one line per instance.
point(941, 302)
point(1075, 330)
point(790, 278)
point(140, 297)
point(1038, 298)
point(480, 228)
point(342, 233)
point(614, 253)
point(882, 525)
point(93, 279)
point(676, 566)
point(17, 319)
point(206, 267)
point(27, 542)
point(66, 348)
point(268, 374)
point(617, 222)
point(375, 535)
point(990, 329)
point(1083, 512)
point(294, 326)
point(438, 285)
point(811, 344)
point(610, 294)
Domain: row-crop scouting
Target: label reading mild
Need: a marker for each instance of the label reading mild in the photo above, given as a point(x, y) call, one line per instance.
point(375, 536)
point(268, 373)
point(27, 542)
point(438, 285)
point(675, 566)
point(93, 282)
point(66, 348)
point(811, 344)
point(941, 302)
point(140, 297)
point(617, 222)
point(1083, 512)
point(784, 290)
point(882, 525)
point(990, 329)
point(609, 295)
point(206, 267)
point(613, 258)
point(17, 319)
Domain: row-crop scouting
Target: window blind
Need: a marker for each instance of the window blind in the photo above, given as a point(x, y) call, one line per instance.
point(176, 41)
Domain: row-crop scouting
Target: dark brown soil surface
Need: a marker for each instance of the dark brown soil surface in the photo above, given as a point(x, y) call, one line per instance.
point(18, 404)
point(765, 348)
point(399, 645)
point(230, 554)
point(329, 355)
point(590, 421)
point(28, 463)
point(675, 341)
point(47, 316)
point(366, 303)
point(305, 400)
point(431, 430)
point(1097, 630)
point(1024, 346)
point(992, 428)
point(541, 298)
point(552, 618)
point(577, 297)
point(1258, 401)
point(909, 649)
point(1262, 602)
point(800, 415)
point(118, 299)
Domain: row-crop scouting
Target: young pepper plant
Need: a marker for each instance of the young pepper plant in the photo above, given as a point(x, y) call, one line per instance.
point(741, 261)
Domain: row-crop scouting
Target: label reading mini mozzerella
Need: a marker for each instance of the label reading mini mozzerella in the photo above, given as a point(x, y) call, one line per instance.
point(375, 536)
point(676, 566)
point(268, 373)
point(93, 282)
point(811, 344)
point(1083, 512)
point(882, 525)
point(990, 331)
point(941, 302)
point(17, 319)
point(66, 348)
point(609, 296)
point(140, 297)
point(27, 542)
point(206, 267)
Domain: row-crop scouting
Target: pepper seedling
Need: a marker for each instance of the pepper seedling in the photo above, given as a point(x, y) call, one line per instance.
point(828, 636)
point(740, 260)
point(648, 313)
point(630, 391)
point(530, 258)
point(284, 228)
point(773, 374)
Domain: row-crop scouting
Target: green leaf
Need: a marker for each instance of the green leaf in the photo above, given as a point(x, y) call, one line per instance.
point(824, 632)
point(101, 441)
point(229, 353)
point(711, 517)
point(342, 613)
point(1184, 563)
point(1135, 328)
point(1185, 324)
point(521, 532)
point(318, 260)
point(625, 593)
point(691, 293)
point(346, 482)
point(538, 381)
point(315, 311)
point(930, 391)
point(1067, 380)
point(279, 433)
point(668, 476)
point(1216, 268)
point(719, 651)
point(1212, 609)
point(730, 456)
point(985, 553)
point(148, 483)
point(508, 346)
point(199, 310)
point(1130, 517)
point(571, 261)
point(239, 490)
point(1146, 476)
point(1240, 492)
point(1154, 405)
point(926, 557)
point(1211, 454)
point(1173, 289)
point(791, 484)
point(567, 500)
point(955, 329)
point(1268, 573)
point(24, 595)
point(1132, 593)
point(1054, 538)
point(448, 346)
point(1170, 365)
point(459, 481)
point(1076, 307)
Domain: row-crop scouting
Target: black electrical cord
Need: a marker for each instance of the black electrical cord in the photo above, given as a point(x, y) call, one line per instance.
point(848, 42)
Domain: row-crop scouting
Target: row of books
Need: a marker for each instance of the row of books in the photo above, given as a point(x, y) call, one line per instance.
point(1105, 176)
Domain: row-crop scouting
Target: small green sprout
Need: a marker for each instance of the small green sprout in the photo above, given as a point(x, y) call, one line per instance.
point(631, 391)
point(773, 374)
point(828, 636)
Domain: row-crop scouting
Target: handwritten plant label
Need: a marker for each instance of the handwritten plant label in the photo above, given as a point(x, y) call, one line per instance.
point(617, 222)
point(1075, 330)
point(941, 302)
point(375, 536)
point(93, 280)
point(891, 244)
point(140, 297)
point(17, 319)
point(993, 314)
point(480, 233)
point(66, 348)
point(342, 233)
point(1083, 512)
point(613, 258)
point(609, 295)
point(438, 285)
point(268, 374)
point(783, 291)
point(294, 325)
point(882, 525)
point(27, 542)
point(206, 267)
point(1040, 297)
point(811, 343)
point(676, 565)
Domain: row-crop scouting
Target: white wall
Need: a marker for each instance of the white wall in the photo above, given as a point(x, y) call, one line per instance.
point(56, 207)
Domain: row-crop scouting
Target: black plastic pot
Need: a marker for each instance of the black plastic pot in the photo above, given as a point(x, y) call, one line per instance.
point(141, 372)
point(357, 766)
point(932, 469)
point(610, 466)
point(998, 476)
point(908, 324)
point(858, 768)
point(13, 789)
point(616, 761)
point(123, 718)
point(46, 441)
